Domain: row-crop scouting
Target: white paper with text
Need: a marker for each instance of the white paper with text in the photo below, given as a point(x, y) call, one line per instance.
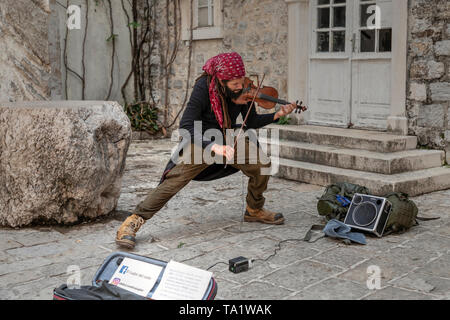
point(182, 282)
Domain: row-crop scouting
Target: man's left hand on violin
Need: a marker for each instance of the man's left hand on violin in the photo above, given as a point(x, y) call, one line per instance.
point(285, 110)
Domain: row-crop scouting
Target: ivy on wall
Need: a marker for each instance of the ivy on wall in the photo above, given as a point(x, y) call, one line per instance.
point(151, 34)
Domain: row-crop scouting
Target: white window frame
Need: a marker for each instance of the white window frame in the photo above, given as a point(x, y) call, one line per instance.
point(201, 33)
point(210, 7)
point(330, 29)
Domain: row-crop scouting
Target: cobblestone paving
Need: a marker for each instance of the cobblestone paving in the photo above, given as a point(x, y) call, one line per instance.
point(202, 225)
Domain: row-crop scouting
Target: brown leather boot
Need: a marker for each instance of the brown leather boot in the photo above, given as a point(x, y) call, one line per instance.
point(263, 215)
point(127, 231)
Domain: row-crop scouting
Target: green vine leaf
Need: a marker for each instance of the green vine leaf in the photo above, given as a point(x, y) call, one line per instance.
point(134, 24)
point(283, 120)
point(112, 37)
point(143, 116)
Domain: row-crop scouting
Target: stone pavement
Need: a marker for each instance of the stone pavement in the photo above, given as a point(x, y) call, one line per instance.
point(202, 225)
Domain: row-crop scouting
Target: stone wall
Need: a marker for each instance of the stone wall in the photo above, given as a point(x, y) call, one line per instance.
point(429, 76)
point(24, 51)
point(256, 29)
point(88, 54)
point(34, 66)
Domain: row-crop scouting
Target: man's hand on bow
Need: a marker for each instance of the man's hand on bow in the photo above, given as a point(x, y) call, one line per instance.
point(226, 151)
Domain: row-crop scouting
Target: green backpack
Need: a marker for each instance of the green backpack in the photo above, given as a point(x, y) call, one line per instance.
point(403, 213)
point(329, 205)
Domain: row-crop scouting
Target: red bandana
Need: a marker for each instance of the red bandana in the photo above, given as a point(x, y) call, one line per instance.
point(225, 66)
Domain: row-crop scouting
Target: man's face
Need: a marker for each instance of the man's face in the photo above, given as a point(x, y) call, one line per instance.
point(233, 88)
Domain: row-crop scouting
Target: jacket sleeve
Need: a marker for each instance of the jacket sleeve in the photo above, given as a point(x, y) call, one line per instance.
point(197, 104)
point(255, 120)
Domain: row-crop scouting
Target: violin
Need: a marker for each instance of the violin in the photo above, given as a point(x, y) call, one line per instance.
point(266, 97)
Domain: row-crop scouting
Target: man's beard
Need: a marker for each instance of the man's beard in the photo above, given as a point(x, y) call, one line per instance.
point(232, 94)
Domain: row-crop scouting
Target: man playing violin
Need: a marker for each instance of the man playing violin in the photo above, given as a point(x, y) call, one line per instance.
point(215, 103)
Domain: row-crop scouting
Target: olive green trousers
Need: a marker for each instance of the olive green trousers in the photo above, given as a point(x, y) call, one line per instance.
point(254, 163)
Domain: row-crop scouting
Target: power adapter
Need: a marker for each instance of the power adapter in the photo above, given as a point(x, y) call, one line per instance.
point(239, 264)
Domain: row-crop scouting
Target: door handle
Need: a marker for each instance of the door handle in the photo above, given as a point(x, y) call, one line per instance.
point(353, 42)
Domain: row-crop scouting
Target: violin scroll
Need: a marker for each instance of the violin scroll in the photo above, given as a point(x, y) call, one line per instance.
point(300, 107)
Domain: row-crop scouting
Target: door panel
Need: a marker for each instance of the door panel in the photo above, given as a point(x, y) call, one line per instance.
point(371, 92)
point(329, 67)
point(371, 64)
point(329, 92)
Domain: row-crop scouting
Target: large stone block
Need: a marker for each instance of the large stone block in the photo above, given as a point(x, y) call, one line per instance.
point(431, 116)
point(421, 47)
point(435, 70)
point(60, 161)
point(428, 70)
point(422, 9)
point(440, 91)
point(418, 91)
point(442, 48)
point(420, 25)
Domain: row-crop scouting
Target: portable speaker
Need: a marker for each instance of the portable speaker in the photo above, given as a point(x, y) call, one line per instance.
point(368, 213)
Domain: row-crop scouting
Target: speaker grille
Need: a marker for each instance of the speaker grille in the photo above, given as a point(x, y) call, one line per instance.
point(365, 214)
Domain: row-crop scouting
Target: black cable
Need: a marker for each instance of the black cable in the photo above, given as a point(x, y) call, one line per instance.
point(217, 264)
point(266, 259)
point(276, 249)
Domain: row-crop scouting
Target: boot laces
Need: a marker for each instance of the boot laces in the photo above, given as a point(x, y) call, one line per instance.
point(137, 224)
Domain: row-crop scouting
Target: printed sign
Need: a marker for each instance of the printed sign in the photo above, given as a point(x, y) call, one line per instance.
point(136, 276)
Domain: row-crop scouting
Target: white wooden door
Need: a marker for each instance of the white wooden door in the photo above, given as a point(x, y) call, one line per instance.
point(349, 77)
point(371, 64)
point(330, 62)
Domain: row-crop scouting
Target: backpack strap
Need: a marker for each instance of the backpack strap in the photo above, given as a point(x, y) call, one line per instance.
point(312, 230)
point(427, 219)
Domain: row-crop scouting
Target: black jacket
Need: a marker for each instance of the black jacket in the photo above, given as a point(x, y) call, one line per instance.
point(199, 109)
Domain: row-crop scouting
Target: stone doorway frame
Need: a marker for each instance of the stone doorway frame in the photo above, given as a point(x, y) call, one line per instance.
point(299, 29)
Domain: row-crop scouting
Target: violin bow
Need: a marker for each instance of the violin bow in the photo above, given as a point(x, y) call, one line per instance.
point(248, 112)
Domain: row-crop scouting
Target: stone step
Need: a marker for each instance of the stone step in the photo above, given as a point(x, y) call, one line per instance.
point(346, 138)
point(357, 159)
point(414, 183)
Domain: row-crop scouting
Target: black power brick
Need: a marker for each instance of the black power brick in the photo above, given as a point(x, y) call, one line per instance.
point(239, 264)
